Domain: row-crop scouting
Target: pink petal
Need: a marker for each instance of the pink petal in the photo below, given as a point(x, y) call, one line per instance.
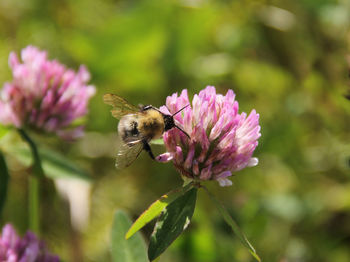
point(166, 157)
point(224, 182)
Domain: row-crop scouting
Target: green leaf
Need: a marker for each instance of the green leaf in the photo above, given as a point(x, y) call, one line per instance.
point(4, 179)
point(155, 209)
point(172, 222)
point(3, 131)
point(229, 220)
point(131, 250)
point(55, 165)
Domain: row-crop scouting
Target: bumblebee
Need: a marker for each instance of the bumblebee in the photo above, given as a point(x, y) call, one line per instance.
point(137, 127)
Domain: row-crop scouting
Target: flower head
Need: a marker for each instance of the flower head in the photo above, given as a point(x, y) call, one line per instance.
point(26, 249)
point(44, 94)
point(222, 140)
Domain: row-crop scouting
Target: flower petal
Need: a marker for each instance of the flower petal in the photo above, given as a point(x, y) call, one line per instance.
point(222, 140)
point(166, 157)
point(44, 93)
point(253, 162)
point(224, 182)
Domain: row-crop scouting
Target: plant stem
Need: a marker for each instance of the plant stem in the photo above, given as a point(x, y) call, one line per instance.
point(34, 204)
point(235, 228)
point(37, 168)
point(33, 184)
point(4, 178)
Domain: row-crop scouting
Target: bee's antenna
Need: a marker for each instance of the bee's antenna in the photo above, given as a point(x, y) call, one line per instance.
point(183, 131)
point(180, 110)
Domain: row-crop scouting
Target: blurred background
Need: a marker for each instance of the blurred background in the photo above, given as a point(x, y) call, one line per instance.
point(287, 59)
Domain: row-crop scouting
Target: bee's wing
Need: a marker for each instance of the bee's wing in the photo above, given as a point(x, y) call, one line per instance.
point(121, 107)
point(127, 153)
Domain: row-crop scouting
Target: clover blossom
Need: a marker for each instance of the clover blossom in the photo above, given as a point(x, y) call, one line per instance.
point(222, 140)
point(44, 94)
point(26, 249)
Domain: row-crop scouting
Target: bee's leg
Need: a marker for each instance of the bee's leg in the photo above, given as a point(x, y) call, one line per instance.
point(144, 108)
point(147, 147)
point(150, 107)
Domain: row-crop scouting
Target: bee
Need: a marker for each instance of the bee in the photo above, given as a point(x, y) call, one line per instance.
point(137, 127)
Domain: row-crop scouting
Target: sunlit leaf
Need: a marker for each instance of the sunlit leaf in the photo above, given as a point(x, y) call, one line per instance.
point(229, 220)
point(3, 130)
point(131, 250)
point(172, 222)
point(4, 179)
point(155, 209)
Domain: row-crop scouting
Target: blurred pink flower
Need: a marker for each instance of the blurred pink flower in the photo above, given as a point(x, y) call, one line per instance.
point(222, 140)
point(44, 94)
point(26, 249)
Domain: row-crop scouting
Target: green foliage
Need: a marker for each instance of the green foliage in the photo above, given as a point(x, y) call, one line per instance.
point(4, 180)
point(235, 228)
point(34, 154)
point(294, 205)
point(155, 209)
point(173, 221)
point(54, 164)
point(122, 250)
point(157, 142)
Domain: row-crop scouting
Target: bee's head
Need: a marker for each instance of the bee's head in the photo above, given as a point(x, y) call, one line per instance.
point(169, 122)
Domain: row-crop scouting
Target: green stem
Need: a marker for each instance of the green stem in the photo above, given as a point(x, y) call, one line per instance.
point(37, 168)
point(235, 228)
point(4, 178)
point(34, 183)
point(34, 204)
